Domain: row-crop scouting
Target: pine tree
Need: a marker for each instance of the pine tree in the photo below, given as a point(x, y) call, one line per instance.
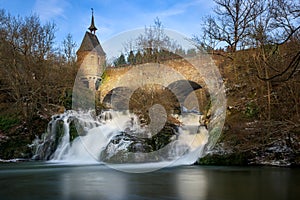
point(138, 58)
point(120, 61)
point(131, 58)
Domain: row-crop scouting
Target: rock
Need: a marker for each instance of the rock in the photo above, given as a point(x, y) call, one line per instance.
point(75, 129)
point(126, 147)
point(237, 158)
point(164, 137)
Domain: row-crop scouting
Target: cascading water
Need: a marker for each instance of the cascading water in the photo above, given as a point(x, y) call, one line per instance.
point(117, 137)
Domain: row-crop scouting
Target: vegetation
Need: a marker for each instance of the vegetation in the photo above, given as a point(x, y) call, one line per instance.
point(154, 45)
point(260, 66)
point(255, 44)
point(36, 78)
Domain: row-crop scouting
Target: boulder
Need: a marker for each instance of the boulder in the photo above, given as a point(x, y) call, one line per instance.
point(126, 147)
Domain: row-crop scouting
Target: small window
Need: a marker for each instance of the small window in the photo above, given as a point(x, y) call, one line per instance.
point(92, 59)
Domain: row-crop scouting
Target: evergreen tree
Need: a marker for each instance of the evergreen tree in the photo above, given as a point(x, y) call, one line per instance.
point(138, 58)
point(131, 58)
point(191, 52)
point(120, 61)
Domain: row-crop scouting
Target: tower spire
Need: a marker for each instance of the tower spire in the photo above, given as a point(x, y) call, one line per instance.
point(92, 27)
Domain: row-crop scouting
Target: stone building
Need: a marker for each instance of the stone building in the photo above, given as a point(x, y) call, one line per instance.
point(91, 58)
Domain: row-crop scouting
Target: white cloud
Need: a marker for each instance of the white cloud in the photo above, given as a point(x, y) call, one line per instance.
point(50, 9)
point(181, 8)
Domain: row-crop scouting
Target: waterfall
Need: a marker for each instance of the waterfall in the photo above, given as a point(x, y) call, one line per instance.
point(117, 137)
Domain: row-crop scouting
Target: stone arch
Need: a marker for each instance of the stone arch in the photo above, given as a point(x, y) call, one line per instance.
point(182, 89)
point(118, 98)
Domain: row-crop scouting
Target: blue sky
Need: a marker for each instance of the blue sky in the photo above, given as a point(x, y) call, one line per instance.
point(113, 17)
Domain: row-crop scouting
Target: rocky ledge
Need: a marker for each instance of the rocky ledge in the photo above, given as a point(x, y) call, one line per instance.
point(130, 148)
point(246, 146)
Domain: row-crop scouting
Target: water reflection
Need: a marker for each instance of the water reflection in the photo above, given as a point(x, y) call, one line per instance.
point(102, 183)
point(31, 181)
point(191, 185)
point(93, 184)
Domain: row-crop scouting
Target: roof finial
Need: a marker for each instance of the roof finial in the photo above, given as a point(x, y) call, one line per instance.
point(92, 27)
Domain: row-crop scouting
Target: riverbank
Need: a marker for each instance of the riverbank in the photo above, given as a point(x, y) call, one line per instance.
point(245, 143)
point(241, 143)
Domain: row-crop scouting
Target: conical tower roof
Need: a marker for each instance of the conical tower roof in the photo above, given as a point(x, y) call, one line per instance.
point(90, 43)
point(92, 27)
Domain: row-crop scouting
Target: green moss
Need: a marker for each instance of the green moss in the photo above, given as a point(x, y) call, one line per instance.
point(240, 158)
point(59, 130)
point(73, 131)
point(252, 110)
point(6, 123)
point(104, 77)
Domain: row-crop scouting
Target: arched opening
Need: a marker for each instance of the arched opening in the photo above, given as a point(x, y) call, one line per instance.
point(118, 98)
point(182, 89)
point(150, 95)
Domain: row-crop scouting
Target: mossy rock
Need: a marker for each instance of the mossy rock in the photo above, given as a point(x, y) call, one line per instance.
point(15, 147)
point(116, 153)
point(128, 148)
point(15, 144)
point(238, 159)
point(163, 137)
point(74, 130)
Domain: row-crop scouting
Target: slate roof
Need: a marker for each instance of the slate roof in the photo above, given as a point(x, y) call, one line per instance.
point(90, 42)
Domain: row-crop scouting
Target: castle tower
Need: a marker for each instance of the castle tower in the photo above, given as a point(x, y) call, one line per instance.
point(91, 58)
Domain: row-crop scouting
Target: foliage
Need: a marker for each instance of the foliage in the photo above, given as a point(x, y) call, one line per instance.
point(154, 45)
point(131, 59)
point(120, 61)
point(7, 122)
point(252, 110)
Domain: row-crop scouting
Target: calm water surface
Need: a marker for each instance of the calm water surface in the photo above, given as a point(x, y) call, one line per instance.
point(35, 180)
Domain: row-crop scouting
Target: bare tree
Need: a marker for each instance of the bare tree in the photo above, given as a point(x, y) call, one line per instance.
point(25, 67)
point(285, 19)
point(152, 45)
point(231, 24)
point(284, 28)
point(69, 48)
point(31, 77)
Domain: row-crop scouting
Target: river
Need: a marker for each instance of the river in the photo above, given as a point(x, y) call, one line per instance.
point(43, 180)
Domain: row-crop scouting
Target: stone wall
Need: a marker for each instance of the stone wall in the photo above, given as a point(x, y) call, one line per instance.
point(165, 74)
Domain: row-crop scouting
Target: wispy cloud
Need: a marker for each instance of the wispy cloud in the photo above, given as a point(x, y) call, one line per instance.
point(51, 9)
point(178, 8)
point(113, 16)
point(181, 8)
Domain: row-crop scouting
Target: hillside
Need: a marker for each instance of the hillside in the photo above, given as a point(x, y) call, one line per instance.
point(262, 124)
